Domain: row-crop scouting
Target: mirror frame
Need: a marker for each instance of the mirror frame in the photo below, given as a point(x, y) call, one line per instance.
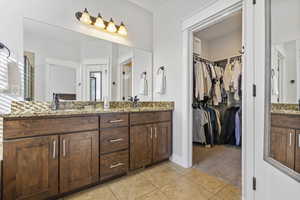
point(268, 103)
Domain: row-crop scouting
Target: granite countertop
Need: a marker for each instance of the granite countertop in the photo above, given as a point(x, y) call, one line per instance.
point(83, 112)
point(286, 112)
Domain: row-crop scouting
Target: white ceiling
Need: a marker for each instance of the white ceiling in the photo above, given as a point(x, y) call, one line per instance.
point(149, 5)
point(227, 26)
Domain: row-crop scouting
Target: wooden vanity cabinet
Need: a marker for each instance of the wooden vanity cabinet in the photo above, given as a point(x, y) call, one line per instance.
point(283, 145)
point(79, 160)
point(48, 157)
point(141, 146)
point(30, 168)
point(150, 139)
point(162, 141)
point(114, 145)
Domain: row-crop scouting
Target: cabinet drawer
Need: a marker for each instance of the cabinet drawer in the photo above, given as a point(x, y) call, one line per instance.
point(162, 116)
point(113, 164)
point(114, 139)
point(149, 117)
point(32, 127)
point(113, 120)
point(142, 118)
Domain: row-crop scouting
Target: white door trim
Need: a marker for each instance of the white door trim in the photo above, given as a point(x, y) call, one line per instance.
point(201, 20)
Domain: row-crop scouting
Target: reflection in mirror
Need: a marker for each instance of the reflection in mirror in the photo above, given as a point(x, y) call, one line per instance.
point(79, 67)
point(282, 144)
point(284, 73)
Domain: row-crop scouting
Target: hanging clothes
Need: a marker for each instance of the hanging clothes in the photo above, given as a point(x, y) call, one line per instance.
point(199, 81)
point(227, 78)
point(200, 119)
point(217, 97)
point(236, 73)
point(238, 130)
point(207, 80)
point(228, 126)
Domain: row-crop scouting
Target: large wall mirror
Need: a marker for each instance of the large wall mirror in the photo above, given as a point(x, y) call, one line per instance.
point(282, 141)
point(83, 68)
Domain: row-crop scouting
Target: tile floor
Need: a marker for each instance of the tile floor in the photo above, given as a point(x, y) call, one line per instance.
point(220, 161)
point(165, 181)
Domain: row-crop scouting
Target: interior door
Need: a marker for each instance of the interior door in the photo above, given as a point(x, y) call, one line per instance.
point(162, 141)
point(30, 168)
point(272, 183)
point(79, 160)
point(141, 146)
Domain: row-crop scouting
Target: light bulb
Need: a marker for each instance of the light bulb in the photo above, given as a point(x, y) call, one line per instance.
point(111, 27)
point(85, 17)
point(99, 23)
point(122, 30)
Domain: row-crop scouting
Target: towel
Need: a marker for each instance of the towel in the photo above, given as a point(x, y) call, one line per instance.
point(160, 82)
point(143, 85)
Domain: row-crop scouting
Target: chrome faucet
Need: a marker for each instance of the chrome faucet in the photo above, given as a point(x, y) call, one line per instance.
point(55, 102)
point(134, 101)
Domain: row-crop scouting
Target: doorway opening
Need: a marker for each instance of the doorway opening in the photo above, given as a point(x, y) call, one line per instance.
point(126, 79)
point(217, 99)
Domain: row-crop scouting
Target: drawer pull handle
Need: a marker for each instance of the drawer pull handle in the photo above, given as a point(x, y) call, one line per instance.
point(116, 140)
point(151, 132)
point(116, 165)
point(155, 132)
point(116, 121)
point(54, 149)
point(64, 148)
point(290, 139)
point(299, 140)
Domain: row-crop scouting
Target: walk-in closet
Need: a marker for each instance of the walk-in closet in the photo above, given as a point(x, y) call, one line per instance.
point(217, 99)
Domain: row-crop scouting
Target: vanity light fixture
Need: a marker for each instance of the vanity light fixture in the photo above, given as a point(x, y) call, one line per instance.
point(99, 23)
point(122, 29)
point(111, 27)
point(85, 17)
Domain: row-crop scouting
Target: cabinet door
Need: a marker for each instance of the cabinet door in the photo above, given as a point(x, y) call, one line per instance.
point(162, 141)
point(79, 160)
point(297, 153)
point(283, 146)
point(30, 168)
point(140, 146)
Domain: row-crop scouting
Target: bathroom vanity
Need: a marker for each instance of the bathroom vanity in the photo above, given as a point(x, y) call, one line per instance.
point(50, 155)
point(285, 139)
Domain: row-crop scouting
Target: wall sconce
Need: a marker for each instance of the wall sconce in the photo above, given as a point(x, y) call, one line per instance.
point(99, 23)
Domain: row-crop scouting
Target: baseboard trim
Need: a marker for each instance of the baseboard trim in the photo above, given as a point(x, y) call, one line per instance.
point(179, 161)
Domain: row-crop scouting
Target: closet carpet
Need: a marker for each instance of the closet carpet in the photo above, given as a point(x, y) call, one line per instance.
point(165, 181)
point(220, 161)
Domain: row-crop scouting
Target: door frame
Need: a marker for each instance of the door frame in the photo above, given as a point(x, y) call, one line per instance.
point(207, 17)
